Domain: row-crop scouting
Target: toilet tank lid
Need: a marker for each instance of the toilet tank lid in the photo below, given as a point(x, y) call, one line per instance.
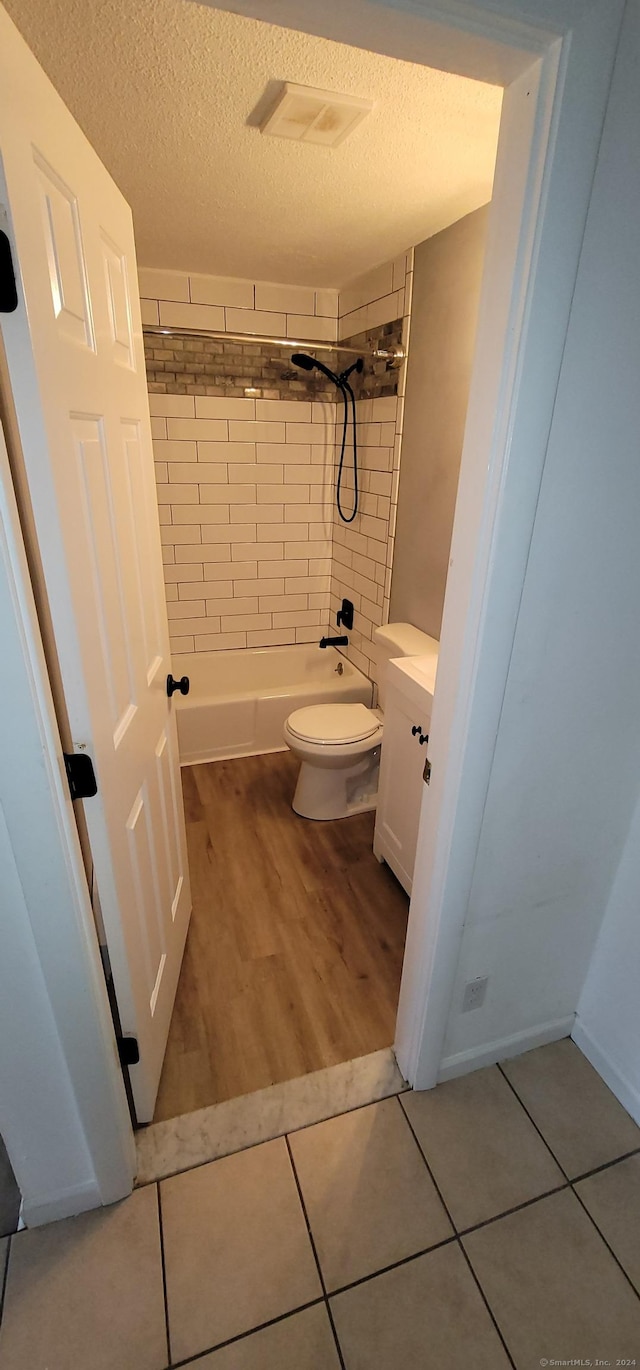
point(405, 640)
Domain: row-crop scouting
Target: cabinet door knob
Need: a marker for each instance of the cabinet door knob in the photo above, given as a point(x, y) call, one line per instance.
point(424, 737)
point(415, 729)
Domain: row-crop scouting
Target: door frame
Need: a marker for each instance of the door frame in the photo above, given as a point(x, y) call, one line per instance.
point(556, 58)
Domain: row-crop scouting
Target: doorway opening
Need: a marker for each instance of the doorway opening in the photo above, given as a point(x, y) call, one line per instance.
point(294, 954)
point(535, 137)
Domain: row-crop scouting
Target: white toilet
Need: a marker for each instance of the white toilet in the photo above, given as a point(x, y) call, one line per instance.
point(338, 745)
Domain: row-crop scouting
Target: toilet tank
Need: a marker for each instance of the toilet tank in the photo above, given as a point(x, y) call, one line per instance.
point(399, 639)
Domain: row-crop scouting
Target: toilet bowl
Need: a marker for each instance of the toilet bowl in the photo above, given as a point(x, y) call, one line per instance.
point(338, 745)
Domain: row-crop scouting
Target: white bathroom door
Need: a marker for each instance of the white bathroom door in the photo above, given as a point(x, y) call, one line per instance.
point(76, 365)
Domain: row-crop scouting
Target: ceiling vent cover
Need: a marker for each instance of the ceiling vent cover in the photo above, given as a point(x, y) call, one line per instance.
point(315, 116)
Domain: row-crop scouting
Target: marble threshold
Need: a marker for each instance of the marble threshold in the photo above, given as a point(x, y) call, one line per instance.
point(192, 1139)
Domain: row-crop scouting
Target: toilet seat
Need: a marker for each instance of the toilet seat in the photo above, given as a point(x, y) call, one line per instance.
point(333, 724)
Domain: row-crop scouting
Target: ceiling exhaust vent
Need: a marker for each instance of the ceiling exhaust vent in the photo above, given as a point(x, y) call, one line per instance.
point(315, 116)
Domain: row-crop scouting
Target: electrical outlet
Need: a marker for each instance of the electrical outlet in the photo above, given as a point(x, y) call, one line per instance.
point(474, 993)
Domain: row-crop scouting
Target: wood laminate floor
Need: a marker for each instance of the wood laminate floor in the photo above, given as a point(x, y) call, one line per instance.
point(295, 947)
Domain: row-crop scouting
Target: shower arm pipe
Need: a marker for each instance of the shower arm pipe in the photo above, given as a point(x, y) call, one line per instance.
point(395, 356)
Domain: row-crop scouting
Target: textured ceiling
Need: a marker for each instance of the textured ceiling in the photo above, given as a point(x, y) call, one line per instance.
point(169, 93)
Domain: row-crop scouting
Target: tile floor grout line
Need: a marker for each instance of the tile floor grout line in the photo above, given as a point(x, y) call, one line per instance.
point(385, 1269)
point(242, 1336)
point(315, 1254)
point(164, 1277)
point(458, 1241)
point(487, 1304)
point(606, 1165)
point(573, 1183)
point(5, 1277)
point(517, 1208)
point(533, 1123)
point(429, 1170)
point(197, 1165)
point(604, 1239)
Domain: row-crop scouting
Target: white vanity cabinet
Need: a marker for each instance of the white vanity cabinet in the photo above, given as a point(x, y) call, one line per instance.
point(409, 687)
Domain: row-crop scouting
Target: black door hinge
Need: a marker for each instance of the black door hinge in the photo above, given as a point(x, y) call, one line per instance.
point(8, 290)
point(128, 1051)
point(80, 774)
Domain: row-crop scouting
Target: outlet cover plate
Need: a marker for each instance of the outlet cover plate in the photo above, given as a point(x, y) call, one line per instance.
point(474, 993)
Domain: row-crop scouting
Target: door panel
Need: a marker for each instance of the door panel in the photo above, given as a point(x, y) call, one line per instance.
point(67, 274)
point(76, 362)
point(118, 303)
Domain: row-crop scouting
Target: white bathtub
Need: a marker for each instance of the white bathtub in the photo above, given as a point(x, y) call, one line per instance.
point(239, 700)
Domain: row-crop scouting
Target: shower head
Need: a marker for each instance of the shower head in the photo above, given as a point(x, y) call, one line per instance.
point(303, 360)
point(308, 363)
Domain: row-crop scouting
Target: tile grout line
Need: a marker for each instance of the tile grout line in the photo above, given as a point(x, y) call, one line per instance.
point(458, 1241)
point(533, 1123)
point(242, 1336)
point(606, 1165)
point(315, 1254)
point(572, 1183)
point(486, 1303)
point(604, 1239)
point(517, 1208)
point(395, 1265)
point(164, 1277)
point(5, 1277)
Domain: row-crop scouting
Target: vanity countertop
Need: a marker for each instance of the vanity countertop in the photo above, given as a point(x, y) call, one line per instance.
point(414, 675)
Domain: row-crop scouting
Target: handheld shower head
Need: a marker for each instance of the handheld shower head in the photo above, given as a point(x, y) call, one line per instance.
point(308, 363)
point(304, 361)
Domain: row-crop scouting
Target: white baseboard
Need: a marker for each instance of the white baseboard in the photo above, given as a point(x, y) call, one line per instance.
point(67, 1204)
point(627, 1094)
point(463, 1062)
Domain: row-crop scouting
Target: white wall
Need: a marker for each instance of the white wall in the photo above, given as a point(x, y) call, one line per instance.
point(447, 277)
point(564, 781)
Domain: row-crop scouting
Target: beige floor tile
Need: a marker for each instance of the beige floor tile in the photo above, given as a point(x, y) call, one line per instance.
point(87, 1292)
point(485, 1155)
point(368, 1194)
point(554, 1289)
point(237, 1250)
point(424, 1315)
point(578, 1115)
point(302, 1342)
point(613, 1199)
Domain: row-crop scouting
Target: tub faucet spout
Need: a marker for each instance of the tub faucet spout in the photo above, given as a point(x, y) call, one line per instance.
point(334, 641)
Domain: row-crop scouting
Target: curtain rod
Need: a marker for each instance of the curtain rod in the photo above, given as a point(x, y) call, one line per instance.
point(395, 357)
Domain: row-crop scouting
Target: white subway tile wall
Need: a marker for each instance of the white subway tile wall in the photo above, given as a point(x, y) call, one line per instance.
point(238, 306)
point(243, 484)
point(248, 539)
point(362, 553)
point(254, 552)
point(376, 298)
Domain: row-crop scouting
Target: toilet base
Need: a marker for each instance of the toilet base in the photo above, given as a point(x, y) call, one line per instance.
point(323, 793)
